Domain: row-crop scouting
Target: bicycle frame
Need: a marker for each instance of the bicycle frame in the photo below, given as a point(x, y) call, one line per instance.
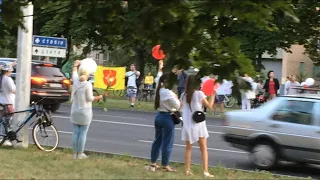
point(33, 113)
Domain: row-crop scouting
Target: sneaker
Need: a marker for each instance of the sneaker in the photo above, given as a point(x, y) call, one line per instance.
point(75, 155)
point(132, 105)
point(7, 143)
point(82, 156)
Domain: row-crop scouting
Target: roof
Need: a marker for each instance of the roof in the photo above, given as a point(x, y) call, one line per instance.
point(33, 61)
point(309, 96)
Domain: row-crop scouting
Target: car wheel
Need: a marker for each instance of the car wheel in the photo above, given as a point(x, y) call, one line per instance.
point(264, 155)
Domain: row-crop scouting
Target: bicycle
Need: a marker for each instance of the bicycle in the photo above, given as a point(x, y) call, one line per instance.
point(42, 123)
point(229, 101)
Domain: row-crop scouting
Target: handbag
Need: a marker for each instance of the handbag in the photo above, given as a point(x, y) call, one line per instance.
point(198, 116)
point(176, 116)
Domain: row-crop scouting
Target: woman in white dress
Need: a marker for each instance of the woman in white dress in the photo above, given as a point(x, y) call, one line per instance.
point(193, 100)
point(81, 109)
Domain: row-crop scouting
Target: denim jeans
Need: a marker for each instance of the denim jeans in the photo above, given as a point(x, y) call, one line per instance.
point(164, 137)
point(79, 137)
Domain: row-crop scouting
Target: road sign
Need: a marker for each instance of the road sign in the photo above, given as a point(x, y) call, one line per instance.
point(49, 52)
point(49, 42)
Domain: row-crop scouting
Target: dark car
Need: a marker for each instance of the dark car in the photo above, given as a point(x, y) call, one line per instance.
point(48, 81)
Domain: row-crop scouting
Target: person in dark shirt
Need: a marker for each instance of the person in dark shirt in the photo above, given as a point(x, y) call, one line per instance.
point(182, 76)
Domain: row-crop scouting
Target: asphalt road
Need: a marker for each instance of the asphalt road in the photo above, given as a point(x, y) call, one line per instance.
point(132, 132)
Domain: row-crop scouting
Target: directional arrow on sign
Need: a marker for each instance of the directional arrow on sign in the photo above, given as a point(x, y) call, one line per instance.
point(37, 40)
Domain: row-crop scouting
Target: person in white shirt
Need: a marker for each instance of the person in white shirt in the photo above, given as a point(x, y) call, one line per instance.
point(248, 95)
point(7, 93)
point(81, 109)
point(193, 100)
point(166, 101)
point(289, 88)
point(132, 88)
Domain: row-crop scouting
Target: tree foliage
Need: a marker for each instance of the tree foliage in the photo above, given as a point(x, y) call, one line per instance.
point(199, 33)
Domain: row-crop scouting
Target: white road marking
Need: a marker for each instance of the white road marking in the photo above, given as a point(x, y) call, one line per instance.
point(212, 149)
point(123, 117)
point(130, 124)
point(63, 132)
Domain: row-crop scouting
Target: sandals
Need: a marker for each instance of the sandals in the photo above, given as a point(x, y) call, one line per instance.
point(189, 173)
point(208, 175)
point(152, 167)
point(169, 169)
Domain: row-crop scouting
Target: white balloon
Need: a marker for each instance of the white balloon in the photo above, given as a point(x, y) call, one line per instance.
point(89, 64)
point(303, 83)
point(309, 81)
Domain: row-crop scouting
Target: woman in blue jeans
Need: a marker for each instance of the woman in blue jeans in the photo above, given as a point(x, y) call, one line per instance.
point(165, 102)
point(81, 109)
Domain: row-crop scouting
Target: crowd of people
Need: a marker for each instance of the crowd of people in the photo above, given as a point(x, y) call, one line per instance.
point(190, 100)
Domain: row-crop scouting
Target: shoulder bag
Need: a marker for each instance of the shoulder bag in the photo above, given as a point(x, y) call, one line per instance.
point(197, 116)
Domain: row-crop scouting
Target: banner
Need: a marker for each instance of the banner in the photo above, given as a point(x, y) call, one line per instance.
point(111, 77)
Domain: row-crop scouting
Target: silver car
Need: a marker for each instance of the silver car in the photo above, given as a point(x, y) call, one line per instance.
point(286, 128)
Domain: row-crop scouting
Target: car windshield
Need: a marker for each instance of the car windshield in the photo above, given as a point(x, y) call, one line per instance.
point(47, 71)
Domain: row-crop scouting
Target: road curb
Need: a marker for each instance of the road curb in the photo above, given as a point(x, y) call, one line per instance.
point(108, 154)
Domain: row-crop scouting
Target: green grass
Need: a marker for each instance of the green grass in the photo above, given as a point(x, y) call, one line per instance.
point(34, 164)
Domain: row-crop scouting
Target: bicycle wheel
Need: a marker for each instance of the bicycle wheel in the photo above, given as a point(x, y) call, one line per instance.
point(49, 143)
point(117, 92)
point(230, 102)
point(3, 132)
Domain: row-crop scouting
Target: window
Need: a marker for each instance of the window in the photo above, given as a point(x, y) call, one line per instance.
point(302, 67)
point(97, 56)
point(298, 112)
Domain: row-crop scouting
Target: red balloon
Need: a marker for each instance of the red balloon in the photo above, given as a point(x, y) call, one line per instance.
point(208, 87)
point(157, 53)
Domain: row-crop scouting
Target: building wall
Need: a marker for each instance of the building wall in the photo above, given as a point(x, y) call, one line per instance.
point(297, 62)
point(98, 56)
point(273, 65)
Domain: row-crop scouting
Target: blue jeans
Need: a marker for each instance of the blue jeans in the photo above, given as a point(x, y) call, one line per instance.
point(79, 137)
point(164, 137)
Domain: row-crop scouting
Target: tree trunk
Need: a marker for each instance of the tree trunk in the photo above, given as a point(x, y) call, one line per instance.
point(68, 51)
point(141, 61)
point(259, 65)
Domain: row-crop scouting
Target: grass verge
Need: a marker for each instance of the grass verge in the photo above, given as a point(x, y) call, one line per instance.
point(34, 164)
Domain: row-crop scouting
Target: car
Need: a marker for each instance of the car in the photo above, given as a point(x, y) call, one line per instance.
point(47, 81)
point(284, 129)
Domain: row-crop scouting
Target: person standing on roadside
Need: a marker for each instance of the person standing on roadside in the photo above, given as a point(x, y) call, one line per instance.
point(166, 101)
point(132, 89)
point(290, 85)
point(193, 100)
point(271, 86)
point(148, 81)
point(182, 76)
point(81, 109)
point(7, 93)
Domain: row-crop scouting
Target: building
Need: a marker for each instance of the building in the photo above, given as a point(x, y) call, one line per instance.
point(285, 63)
point(98, 56)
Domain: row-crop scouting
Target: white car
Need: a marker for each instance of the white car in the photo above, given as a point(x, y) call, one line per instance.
point(286, 128)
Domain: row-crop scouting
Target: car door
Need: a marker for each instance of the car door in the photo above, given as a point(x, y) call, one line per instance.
point(295, 124)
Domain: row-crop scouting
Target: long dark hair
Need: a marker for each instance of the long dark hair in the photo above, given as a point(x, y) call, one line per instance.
point(2, 73)
point(193, 84)
point(269, 74)
point(167, 80)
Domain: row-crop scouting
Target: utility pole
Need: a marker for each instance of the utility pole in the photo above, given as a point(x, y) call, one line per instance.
point(23, 76)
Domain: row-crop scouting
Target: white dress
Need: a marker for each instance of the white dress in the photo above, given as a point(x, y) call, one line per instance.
point(192, 131)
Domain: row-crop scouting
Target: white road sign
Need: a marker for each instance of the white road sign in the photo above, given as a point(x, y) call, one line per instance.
point(49, 52)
